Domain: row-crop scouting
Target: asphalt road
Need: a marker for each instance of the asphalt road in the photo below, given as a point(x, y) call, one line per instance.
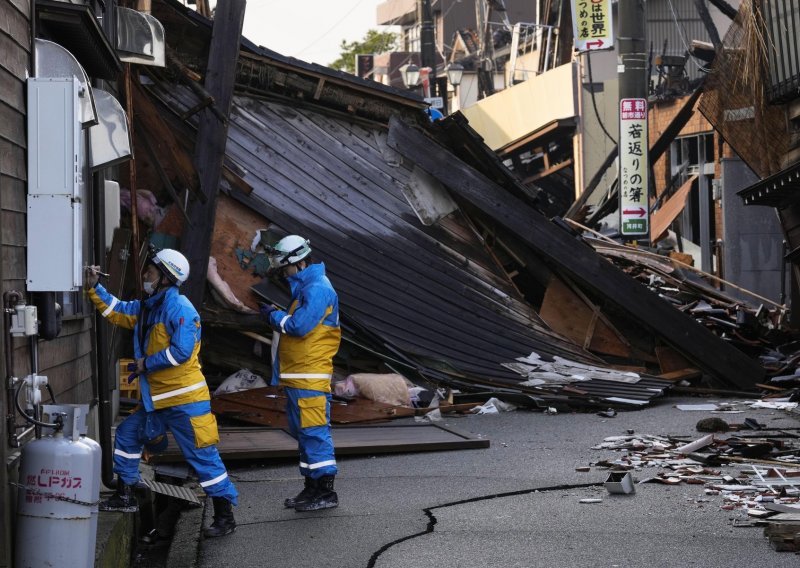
point(515, 504)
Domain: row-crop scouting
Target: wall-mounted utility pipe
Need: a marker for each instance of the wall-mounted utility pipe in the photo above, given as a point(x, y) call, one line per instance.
point(101, 365)
point(10, 299)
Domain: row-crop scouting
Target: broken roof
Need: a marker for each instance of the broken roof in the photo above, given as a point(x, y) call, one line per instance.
point(431, 291)
point(429, 294)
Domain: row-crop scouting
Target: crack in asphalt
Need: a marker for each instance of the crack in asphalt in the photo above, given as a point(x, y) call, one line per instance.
point(432, 518)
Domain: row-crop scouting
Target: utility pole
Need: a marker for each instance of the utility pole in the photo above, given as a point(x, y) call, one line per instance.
point(427, 43)
point(632, 49)
point(634, 168)
point(485, 64)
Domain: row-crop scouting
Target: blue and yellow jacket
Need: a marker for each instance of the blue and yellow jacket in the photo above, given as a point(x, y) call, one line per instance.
point(169, 343)
point(310, 333)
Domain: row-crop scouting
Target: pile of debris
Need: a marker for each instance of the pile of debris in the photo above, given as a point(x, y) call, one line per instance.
point(766, 490)
point(361, 398)
point(757, 326)
point(751, 328)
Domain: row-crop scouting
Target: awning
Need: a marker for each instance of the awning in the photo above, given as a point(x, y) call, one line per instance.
point(775, 191)
point(75, 27)
point(109, 140)
point(140, 38)
point(55, 61)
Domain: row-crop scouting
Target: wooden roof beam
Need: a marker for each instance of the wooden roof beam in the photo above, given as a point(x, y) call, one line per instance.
point(560, 249)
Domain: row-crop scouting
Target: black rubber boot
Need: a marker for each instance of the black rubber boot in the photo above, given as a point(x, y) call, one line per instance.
point(123, 500)
point(324, 497)
point(224, 522)
point(304, 496)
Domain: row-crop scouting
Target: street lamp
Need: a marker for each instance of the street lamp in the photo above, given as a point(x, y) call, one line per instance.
point(410, 74)
point(455, 71)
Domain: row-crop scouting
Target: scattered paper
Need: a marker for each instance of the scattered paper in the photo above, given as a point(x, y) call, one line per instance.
point(493, 406)
point(775, 405)
point(704, 407)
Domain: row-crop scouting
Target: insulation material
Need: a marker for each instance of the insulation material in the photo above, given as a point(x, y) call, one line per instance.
point(223, 290)
point(387, 388)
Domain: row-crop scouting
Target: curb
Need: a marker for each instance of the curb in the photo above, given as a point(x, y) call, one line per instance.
point(115, 539)
point(185, 546)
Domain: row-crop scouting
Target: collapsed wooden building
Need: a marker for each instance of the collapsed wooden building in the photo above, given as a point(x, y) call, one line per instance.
point(447, 272)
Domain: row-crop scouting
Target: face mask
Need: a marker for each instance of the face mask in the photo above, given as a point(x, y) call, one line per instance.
point(149, 288)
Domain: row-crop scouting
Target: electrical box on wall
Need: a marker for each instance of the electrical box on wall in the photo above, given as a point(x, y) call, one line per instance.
point(55, 218)
point(112, 198)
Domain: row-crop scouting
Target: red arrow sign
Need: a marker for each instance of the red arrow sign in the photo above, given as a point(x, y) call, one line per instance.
point(638, 212)
point(598, 43)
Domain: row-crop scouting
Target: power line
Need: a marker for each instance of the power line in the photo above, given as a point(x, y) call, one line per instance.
point(594, 102)
point(343, 18)
point(684, 37)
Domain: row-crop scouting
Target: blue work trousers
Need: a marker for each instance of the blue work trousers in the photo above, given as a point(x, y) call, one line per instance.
point(309, 414)
point(192, 425)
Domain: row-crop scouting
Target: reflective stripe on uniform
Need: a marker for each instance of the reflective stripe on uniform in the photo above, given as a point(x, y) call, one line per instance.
point(171, 358)
point(176, 392)
point(306, 375)
point(127, 455)
point(321, 464)
point(283, 321)
point(214, 481)
point(110, 308)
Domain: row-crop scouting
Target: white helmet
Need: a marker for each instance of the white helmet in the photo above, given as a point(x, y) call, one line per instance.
point(289, 250)
point(172, 264)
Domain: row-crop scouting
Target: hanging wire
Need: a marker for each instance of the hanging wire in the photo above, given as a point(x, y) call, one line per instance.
point(684, 40)
point(333, 27)
point(594, 102)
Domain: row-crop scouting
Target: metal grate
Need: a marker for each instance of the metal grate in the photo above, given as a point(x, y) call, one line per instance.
point(175, 491)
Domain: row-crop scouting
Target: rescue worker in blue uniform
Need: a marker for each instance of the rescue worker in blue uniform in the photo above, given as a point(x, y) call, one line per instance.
point(174, 394)
point(308, 337)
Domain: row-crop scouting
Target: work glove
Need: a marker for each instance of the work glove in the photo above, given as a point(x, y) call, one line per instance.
point(135, 369)
point(265, 310)
point(91, 277)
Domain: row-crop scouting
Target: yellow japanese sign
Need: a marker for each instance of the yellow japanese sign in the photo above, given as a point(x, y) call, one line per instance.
point(633, 159)
point(591, 24)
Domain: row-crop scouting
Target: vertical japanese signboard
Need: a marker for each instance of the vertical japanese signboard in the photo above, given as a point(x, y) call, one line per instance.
point(591, 24)
point(633, 187)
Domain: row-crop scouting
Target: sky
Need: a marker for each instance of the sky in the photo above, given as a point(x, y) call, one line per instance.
point(311, 30)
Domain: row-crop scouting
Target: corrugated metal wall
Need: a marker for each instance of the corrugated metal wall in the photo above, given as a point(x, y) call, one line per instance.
point(783, 25)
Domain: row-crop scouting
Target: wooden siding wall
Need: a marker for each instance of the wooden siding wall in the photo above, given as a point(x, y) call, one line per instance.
point(66, 360)
point(15, 46)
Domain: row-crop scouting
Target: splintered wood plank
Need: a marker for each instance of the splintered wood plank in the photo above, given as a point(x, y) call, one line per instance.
point(272, 417)
point(682, 375)
point(670, 360)
point(663, 218)
point(566, 313)
point(240, 443)
point(260, 443)
point(235, 226)
point(267, 407)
